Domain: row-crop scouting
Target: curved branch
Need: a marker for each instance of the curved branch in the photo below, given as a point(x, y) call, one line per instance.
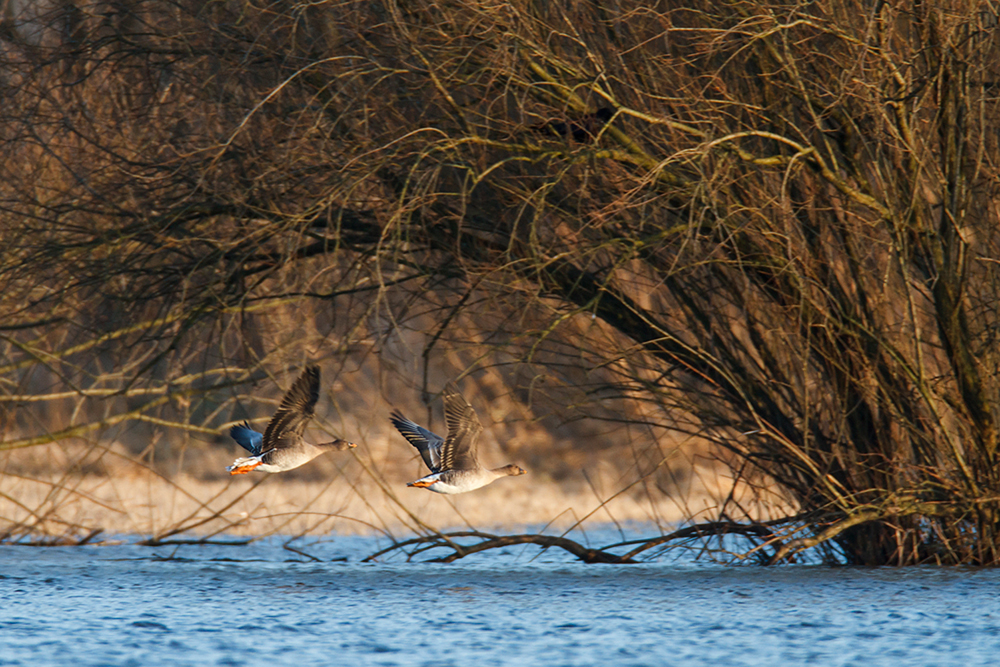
point(443, 540)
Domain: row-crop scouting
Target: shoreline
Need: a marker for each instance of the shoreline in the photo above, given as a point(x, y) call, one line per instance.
point(74, 490)
point(148, 504)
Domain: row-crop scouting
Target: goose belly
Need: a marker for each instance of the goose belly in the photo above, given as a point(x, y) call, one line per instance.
point(282, 459)
point(451, 484)
point(444, 487)
point(270, 467)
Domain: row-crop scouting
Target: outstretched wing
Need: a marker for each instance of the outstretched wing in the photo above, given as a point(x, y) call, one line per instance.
point(458, 451)
point(289, 422)
point(427, 443)
point(247, 438)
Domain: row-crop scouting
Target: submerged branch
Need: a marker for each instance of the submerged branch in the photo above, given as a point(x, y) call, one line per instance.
point(488, 541)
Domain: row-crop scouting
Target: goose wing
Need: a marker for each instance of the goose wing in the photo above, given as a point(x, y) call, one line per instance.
point(427, 443)
point(458, 451)
point(297, 407)
point(247, 438)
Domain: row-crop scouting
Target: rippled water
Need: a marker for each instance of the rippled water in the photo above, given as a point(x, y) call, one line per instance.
point(263, 605)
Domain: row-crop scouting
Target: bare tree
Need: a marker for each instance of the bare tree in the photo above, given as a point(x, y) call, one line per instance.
point(770, 226)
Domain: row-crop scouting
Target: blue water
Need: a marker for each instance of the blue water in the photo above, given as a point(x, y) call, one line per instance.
point(262, 605)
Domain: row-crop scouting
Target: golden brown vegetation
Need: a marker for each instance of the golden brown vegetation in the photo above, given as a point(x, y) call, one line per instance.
point(781, 245)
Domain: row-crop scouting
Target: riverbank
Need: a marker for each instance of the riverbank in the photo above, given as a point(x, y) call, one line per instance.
point(347, 494)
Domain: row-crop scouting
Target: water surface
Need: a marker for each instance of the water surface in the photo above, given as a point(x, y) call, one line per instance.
point(263, 605)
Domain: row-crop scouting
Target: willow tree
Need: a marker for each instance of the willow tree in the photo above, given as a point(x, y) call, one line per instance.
point(771, 226)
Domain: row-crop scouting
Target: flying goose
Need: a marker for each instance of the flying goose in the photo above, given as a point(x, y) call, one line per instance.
point(452, 460)
point(281, 446)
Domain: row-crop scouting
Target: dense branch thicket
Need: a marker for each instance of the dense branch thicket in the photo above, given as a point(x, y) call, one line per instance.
point(770, 225)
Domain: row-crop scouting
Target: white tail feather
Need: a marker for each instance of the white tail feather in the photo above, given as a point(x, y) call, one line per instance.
point(239, 463)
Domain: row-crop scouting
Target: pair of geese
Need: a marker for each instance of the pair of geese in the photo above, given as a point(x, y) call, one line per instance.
point(452, 460)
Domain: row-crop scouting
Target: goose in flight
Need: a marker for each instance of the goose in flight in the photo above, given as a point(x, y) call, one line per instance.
point(452, 460)
point(281, 446)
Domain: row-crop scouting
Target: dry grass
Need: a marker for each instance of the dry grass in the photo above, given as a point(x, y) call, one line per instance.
point(167, 480)
point(129, 498)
